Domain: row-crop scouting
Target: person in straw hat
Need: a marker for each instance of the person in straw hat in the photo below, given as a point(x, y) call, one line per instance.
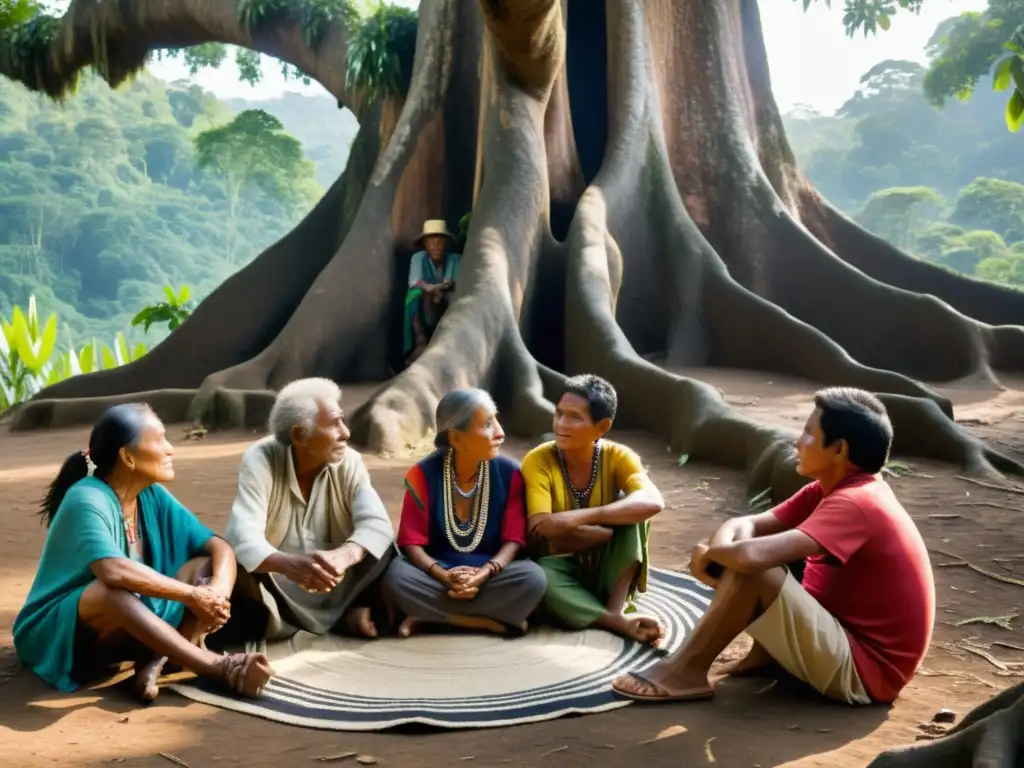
point(432, 275)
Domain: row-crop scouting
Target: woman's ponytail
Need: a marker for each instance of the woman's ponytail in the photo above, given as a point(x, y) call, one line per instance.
point(74, 468)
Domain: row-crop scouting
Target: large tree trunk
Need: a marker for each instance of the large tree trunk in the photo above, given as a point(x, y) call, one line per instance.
point(634, 199)
point(657, 215)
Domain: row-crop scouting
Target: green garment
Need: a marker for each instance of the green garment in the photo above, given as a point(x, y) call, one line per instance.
point(422, 270)
point(88, 527)
point(579, 586)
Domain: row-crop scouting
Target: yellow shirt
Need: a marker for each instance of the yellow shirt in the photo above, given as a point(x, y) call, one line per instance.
point(620, 470)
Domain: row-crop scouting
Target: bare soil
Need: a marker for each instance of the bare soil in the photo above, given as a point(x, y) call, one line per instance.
point(753, 722)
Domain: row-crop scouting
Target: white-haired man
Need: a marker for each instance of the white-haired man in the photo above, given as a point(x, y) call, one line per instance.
point(309, 531)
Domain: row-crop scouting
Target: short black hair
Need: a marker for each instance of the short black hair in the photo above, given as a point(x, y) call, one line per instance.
point(599, 394)
point(859, 418)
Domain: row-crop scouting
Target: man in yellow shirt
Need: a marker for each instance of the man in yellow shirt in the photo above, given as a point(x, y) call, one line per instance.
point(589, 503)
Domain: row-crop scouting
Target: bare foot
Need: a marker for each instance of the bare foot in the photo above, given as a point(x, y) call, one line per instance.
point(642, 629)
point(756, 661)
point(247, 673)
point(361, 623)
point(144, 680)
point(408, 626)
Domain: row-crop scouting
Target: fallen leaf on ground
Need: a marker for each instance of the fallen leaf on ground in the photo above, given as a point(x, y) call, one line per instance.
point(366, 760)
point(666, 733)
point(707, 750)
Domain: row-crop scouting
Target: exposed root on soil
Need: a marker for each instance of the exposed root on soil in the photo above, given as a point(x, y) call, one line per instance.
point(733, 325)
point(689, 247)
point(990, 736)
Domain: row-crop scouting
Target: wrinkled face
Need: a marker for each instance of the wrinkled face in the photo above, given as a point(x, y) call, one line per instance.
point(814, 458)
point(328, 439)
point(483, 436)
point(574, 427)
point(150, 459)
point(436, 246)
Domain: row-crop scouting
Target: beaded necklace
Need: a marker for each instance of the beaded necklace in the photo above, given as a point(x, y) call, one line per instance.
point(131, 531)
point(466, 537)
point(581, 497)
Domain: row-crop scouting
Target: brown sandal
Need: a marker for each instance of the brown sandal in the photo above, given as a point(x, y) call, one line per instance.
point(247, 673)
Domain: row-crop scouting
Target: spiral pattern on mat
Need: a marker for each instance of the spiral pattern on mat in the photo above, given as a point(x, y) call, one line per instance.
point(676, 599)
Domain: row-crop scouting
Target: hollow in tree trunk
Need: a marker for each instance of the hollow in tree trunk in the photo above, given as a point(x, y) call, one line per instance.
point(636, 209)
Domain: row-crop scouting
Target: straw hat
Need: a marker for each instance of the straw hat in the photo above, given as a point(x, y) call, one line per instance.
point(434, 227)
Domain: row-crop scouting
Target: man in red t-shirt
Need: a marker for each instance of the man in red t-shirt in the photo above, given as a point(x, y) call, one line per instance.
point(858, 627)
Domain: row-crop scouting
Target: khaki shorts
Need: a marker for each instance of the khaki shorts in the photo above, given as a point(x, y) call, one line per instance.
point(810, 644)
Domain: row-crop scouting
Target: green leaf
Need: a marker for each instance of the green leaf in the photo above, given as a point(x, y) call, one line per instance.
point(1015, 111)
point(87, 358)
point(184, 295)
point(1003, 75)
point(172, 297)
point(109, 359)
point(884, 21)
point(48, 342)
point(683, 458)
point(142, 317)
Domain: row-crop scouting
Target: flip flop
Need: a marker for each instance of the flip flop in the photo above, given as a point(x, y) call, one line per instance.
point(703, 696)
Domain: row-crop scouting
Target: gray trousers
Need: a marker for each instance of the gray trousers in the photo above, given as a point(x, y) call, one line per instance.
point(509, 597)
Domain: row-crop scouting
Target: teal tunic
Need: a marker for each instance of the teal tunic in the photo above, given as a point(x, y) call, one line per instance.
point(88, 527)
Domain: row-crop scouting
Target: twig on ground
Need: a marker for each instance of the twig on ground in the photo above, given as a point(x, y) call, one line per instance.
point(977, 679)
point(992, 486)
point(960, 560)
point(987, 657)
point(988, 504)
point(335, 758)
point(953, 564)
point(1000, 621)
point(707, 750)
point(944, 516)
point(1011, 646)
point(553, 751)
point(173, 759)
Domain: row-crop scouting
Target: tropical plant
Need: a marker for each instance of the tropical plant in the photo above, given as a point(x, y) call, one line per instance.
point(174, 311)
point(381, 51)
point(29, 359)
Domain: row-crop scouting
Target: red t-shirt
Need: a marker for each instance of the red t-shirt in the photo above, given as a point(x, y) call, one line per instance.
point(875, 577)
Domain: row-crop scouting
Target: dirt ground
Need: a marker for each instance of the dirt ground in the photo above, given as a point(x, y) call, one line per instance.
point(750, 723)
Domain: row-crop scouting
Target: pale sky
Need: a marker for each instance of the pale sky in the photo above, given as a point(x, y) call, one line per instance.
point(812, 61)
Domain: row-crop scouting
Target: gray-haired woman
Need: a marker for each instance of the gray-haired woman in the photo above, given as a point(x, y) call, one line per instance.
point(463, 525)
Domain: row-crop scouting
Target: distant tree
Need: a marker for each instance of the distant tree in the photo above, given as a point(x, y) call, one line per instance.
point(899, 213)
point(253, 150)
point(992, 204)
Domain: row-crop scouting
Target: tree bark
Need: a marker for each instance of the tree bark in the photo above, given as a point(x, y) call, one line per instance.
point(691, 238)
point(694, 240)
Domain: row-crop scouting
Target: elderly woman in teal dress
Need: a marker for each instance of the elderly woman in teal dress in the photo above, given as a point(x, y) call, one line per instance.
point(127, 573)
point(432, 275)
